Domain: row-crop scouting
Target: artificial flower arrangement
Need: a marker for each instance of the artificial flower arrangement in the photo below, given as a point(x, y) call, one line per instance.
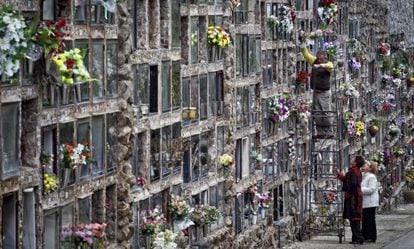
point(279, 108)
point(73, 156)
point(285, 20)
point(391, 81)
point(13, 45)
point(359, 128)
point(388, 102)
point(50, 182)
point(152, 221)
point(50, 36)
point(256, 156)
point(217, 36)
point(398, 151)
point(226, 160)
point(330, 197)
point(394, 130)
point(302, 78)
point(355, 48)
point(164, 240)
point(140, 181)
point(265, 200)
point(355, 64)
point(347, 90)
point(409, 177)
point(85, 235)
point(350, 123)
point(71, 67)
point(332, 48)
point(46, 160)
point(327, 12)
point(384, 49)
point(303, 113)
point(378, 157)
point(205, 214)
point(178, 207)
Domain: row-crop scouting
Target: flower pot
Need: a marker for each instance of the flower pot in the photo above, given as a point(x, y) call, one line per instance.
point(409, 196)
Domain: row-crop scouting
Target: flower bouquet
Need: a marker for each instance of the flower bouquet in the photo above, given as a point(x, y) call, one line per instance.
point(394, 131)
point(217, 36)
point(152, 221)
point(178, 207)
point(164, 240)
point(71, 67)
point(302, 78)
point(332, 48)
point(85, 235)
point(50, 182)
point(256, 156)
point(384, 49)
point(46, 160)
point(284, 21)
point(303, 113)
point(226, 160)
point(360, 128)
point(205, 214)
point(355, 48)
point(13, 45)
point(398, 151)
point(409, 177)
point(330, 197)
point(50, 36)
point(265, 200)
point(347, 90)
point(378, 157)
point(350, 123)
point(140, 181)
point(355, 64)
point(279, 108)
point(327, 12)
point(74, 155)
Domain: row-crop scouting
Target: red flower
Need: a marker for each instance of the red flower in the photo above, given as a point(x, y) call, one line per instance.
point(60, 24)
point(327, 3)
point(301, 78)
point(70, 63)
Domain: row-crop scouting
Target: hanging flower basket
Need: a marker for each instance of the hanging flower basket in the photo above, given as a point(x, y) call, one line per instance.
point(71, 68)
point(217, 36)
point(13, 45)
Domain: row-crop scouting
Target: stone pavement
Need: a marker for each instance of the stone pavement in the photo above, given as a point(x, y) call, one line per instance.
point(395, 231)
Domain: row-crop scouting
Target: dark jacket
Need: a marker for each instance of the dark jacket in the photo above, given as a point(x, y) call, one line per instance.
point(353, 194)
point(320, 79)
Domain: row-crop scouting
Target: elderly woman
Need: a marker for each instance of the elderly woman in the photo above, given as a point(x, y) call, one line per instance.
point(370, 201)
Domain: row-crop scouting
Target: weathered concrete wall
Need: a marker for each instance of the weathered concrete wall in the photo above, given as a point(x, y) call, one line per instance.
point(400, 19)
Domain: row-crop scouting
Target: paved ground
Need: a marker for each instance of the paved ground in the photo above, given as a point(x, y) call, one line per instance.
point(395, 231)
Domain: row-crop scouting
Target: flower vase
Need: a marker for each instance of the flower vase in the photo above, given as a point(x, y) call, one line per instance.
point(66, 176)
point(254, 219)
point(147, 241)
point(65, 94)
point(373, 140)
point(144, 110)
point(263, 213)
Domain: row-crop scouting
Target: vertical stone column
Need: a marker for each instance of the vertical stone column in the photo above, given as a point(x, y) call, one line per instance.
point(124, 128)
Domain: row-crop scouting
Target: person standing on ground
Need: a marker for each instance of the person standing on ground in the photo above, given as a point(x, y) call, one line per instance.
point(321, 86)
point(370, 201)
point(353, 198)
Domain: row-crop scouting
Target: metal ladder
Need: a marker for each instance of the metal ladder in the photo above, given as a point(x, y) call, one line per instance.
point(325, 200)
